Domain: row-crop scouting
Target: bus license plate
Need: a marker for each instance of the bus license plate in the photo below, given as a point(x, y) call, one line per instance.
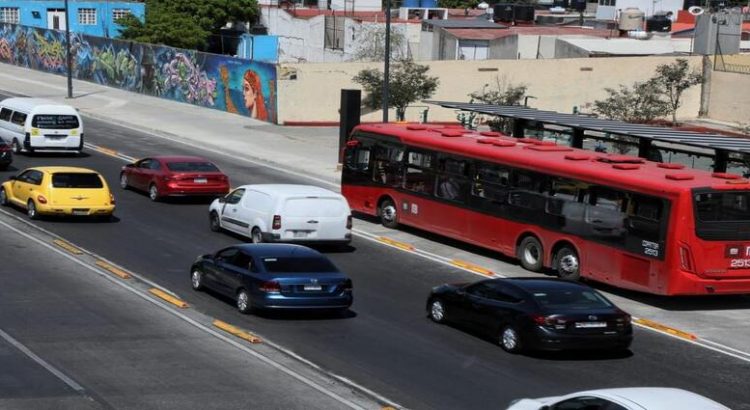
point(313, 288)
point(589, 325)
point(200, 180)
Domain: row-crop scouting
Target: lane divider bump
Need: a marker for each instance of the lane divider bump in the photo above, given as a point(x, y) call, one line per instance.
point(113, 269)
point(666, 329)
point(472, 267)
point(393, 242)
point(237, 332)
point(107, 151)
point(68, 247)
point(169, 298)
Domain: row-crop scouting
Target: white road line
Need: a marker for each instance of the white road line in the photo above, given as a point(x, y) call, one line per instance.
point(701, 343)
point(200, 326)
point(52, 369)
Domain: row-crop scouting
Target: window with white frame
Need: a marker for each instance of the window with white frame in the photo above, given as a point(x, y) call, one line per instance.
point(119, 13)
point(9, 15)
point(87, 17)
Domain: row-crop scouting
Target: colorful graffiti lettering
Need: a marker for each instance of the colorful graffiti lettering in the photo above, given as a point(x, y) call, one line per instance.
point(226, 83)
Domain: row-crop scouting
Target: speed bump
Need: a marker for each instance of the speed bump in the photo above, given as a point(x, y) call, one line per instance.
point(68, 247)
point(472, 267)
point(397, 244)
point(664, 328)
point(113, 269)
point(237, 332)
point(169, 298)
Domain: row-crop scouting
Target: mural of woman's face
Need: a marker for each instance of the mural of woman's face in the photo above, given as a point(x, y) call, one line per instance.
point(249, 93)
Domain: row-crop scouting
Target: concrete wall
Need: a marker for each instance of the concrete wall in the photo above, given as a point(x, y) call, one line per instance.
point(564, 49)
point(558, 85)
point(730, 97)
point(504, 48)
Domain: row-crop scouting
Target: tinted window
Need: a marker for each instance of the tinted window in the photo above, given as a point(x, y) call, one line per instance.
point(491, 182)
point(235, 196)
point(226, 255)
point(18, 118)
point(570, 299)
point(34, 177)
point(76, 180)
point(419, 177)
point(146, 164)
point(587, 403)
point(243, 261)
point(387, 164)
point(5, 114)
point(192, 167)
point(55, 122)
point(298, 265)
point(723, 206)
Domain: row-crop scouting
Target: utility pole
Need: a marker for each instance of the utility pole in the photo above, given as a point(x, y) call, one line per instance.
point(387, 68)
point(68, 57)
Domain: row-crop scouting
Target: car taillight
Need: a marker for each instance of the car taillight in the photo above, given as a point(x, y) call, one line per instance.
point(348, 285)
point(4, 147)
point(625, 319)
point(686, 259)
point(111, 199)
point(276, 222)
point(41, 199)
point(270, 286)
point(349, 222)
point(549, 321)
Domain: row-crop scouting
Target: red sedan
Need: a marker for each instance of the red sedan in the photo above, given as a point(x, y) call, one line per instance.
point(174, 176)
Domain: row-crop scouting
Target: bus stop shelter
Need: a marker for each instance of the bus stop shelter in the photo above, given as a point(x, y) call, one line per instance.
point(722, 146)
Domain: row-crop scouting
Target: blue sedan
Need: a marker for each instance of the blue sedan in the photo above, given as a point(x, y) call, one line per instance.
point(273, 276)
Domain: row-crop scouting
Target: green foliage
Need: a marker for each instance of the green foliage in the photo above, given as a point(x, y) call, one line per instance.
point(186, 23)
point(640, 103)
point(374, 48)
point(502, 92)
point(408, 83)
point(674, 79)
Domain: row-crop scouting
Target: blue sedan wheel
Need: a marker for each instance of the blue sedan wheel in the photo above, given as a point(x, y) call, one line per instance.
point(437, 311)
point(243, 301)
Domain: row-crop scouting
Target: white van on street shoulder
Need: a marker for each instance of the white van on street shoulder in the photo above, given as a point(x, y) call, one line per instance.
point(283, 213)
point(30, 124)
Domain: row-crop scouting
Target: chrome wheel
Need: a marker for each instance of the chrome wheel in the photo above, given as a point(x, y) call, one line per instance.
point(531, 254)
point(256, 236)
point(123, 181)
point(568, 265)
point(243, 301)
point(510, 340)
point(213, 222)
point(196, 279)
point(437, 311)
point(31, 210)
point(388, 214)
point(153, 192)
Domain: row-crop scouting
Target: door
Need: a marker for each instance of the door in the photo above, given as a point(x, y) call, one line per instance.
point(314, 218)
point(232, 217)
point(25, 184)
point(235, 270)
point(56, 19)
point(216, 271)
point(5, 125)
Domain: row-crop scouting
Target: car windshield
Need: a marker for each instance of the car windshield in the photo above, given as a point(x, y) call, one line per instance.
point(192, 167)
point(297, 265)
point(55, 122)
point(570, 299)
point(76, 180)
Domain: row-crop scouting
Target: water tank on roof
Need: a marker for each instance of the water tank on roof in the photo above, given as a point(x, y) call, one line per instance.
point(428, 4)
point(503, 12)
point(412, 4)
point(523, 13)
point(659, 23)
point(631, 19)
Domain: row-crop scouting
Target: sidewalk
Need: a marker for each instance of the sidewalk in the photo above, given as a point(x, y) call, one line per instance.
point(310, 151)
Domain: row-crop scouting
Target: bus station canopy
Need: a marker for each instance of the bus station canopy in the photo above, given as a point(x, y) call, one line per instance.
point(716, 142)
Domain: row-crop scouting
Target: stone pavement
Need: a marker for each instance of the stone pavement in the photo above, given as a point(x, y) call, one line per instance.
point(307, 150)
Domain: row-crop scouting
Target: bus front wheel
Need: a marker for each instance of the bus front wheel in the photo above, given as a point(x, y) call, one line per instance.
point(531, 254)
point(388, 214)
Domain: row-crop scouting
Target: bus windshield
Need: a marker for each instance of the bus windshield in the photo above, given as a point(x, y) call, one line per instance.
point(722, 216)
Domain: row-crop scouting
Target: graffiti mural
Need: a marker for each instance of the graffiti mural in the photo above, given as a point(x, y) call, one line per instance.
point(225, 83)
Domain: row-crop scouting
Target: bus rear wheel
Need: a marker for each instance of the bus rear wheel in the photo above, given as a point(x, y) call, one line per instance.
point(531, 254)
point(568, 264)
point(388, 214)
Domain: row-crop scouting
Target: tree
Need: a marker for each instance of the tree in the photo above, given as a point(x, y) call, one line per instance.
point(674, 79)
point(373, 46)
point(502, 93)
point(408, 82)
point(640, 103)
point(186, 23)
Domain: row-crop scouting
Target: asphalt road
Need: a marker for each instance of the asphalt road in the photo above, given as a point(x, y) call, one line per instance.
point(388, 344)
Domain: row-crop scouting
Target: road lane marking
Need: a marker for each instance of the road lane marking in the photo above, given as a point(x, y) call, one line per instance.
point(109, 152)
point(278, 366)
point(60, 375)
point(113, 269)
point(666, 329)
point(473, 267)
point(242, 334)
point(397, 244)
point(68, 247)
point(169, 298)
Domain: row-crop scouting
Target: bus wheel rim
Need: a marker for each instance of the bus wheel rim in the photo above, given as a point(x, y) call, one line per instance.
point(389, 213)
point(569, 263)
point(531, 253)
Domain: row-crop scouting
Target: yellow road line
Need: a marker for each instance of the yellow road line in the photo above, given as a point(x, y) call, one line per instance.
point(169, 298)
point(667, 329)
point(107, 151)
point(472, 267)
point(68, 247)
point(113, 269)
point(237, 332)
point(393, 242)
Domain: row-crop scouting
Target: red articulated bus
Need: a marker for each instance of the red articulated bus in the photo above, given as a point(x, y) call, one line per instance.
point(652, 227)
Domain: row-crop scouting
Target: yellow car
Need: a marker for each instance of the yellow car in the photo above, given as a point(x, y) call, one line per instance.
point(58, 191)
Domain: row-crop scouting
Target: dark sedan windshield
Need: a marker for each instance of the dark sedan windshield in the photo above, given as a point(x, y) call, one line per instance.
point(570, 299)
point(192, 167)
point(297, 265)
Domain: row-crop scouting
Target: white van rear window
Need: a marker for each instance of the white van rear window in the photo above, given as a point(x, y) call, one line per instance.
point(55, 122)
point(321, 207)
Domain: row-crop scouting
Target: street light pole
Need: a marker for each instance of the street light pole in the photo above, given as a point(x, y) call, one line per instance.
point(387, 68)
point(68, 57)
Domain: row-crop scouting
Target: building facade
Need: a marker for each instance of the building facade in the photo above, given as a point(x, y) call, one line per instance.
point(95, 18)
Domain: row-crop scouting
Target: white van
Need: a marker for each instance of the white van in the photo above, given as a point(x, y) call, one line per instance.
point(29, 124)
point(283, 213)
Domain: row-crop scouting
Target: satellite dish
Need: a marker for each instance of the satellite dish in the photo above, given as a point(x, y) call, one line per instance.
point(483, 6)
point(695, 10)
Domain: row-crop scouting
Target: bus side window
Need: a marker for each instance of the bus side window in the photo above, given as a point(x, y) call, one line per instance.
point(490, 182)
point(358, 159)
point(527, 190)
point(5, 114)
point(644, 217)
point(419, 177)
point(605, 212)
point(387, 164)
